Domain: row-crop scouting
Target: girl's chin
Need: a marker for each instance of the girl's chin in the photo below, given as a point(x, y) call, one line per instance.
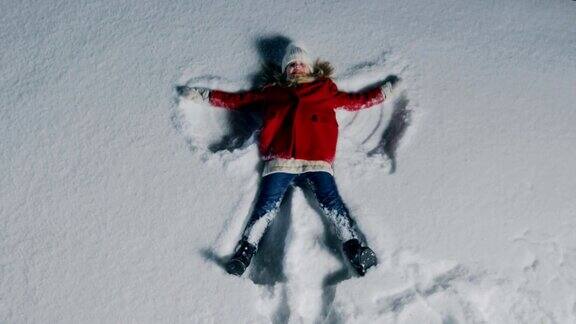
point(297, 75)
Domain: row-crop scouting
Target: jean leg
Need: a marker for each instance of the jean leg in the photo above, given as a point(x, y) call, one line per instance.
point(272, 190)
point(326, 192)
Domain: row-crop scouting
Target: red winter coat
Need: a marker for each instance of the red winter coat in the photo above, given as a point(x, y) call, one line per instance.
point(299, 121)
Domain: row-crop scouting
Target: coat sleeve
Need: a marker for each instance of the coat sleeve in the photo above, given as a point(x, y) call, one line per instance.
point(355, 100)
point(236, 100)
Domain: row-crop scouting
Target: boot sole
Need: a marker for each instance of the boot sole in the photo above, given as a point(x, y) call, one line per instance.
point(235, 267)
point(367, 259)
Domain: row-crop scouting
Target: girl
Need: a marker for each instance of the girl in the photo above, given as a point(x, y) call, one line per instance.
point(298, 141)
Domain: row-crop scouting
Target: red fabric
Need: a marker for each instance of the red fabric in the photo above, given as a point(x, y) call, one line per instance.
point(299, 122)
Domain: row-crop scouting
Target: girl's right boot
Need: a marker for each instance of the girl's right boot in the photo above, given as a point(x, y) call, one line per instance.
point(241, 258)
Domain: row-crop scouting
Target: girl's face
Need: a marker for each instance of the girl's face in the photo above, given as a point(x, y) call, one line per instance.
point(297, 68)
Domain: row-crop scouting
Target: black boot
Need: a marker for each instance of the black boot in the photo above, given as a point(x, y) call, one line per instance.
point(361, 257)
point(241, 258)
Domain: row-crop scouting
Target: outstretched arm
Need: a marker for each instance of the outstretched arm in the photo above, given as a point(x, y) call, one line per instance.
point(236, 100)
point(359, 100)
point(223, 99)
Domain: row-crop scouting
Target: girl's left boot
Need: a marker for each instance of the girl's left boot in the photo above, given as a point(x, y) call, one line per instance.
point(361, 257)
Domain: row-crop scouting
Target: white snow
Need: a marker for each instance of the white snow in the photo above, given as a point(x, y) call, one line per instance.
point(118, 206)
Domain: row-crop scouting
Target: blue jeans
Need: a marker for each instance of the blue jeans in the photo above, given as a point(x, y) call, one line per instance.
point(272, 191)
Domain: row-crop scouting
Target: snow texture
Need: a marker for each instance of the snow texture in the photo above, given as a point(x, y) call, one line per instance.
point(119, 202)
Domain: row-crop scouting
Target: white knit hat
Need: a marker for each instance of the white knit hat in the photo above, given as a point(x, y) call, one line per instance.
point(296, 53)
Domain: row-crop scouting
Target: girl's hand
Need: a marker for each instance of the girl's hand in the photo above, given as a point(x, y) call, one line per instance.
point(389, 86)
point(194, 94)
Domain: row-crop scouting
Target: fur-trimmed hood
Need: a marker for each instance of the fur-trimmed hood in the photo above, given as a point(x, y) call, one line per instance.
point(272, 74)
